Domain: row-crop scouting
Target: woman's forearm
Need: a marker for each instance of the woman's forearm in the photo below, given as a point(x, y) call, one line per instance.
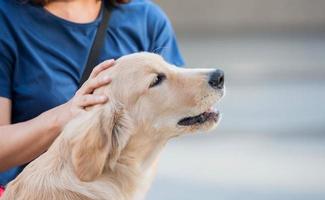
point(22, 142)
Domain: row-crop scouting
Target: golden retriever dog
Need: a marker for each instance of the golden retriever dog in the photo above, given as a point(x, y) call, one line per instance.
point(110, 152)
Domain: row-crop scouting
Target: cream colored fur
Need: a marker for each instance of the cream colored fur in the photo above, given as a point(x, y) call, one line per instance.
point(111, 151)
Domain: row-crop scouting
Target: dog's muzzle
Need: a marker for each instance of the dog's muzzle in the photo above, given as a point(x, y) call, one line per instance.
point(216, 81)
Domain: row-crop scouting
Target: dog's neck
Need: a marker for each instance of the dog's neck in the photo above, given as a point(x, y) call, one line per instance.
point(143, 149)
point(137, 163)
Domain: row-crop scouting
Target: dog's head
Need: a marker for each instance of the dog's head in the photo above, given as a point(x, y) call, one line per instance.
point(147, 96)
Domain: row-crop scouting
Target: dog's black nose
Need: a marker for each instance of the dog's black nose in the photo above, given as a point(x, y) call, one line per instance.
point(217, 79)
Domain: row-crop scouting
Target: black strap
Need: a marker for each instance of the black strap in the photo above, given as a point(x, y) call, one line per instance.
point(97, 44)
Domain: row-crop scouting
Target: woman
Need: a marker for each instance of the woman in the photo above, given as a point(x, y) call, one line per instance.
point(44, 45)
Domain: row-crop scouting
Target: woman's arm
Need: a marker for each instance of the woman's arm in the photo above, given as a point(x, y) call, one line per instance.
point(22, 142)
point(5, 107)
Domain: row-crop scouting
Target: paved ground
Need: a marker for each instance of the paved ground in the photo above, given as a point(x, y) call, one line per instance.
point(271, 142)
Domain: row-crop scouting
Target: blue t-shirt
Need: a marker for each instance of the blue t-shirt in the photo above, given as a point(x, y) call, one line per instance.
point(42, 56)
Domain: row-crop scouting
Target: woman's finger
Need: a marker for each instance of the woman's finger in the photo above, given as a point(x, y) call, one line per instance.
point(92, 84)
point(89, 100)
point(102, 66)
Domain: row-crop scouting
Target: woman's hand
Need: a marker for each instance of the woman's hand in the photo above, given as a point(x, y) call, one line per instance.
point(84, 97)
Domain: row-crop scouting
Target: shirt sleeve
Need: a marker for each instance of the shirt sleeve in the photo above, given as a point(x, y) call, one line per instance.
point(6, 59)
point(5, 78)
point(162, 36)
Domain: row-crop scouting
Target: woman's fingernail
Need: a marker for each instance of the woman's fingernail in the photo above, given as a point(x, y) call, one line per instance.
point(111, 61)
point(102, 98)
point(106, 79)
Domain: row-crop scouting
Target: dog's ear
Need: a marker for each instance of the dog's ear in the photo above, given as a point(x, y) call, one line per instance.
point(100, 138)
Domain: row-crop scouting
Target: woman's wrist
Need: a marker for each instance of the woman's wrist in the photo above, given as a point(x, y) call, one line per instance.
point(55, 119)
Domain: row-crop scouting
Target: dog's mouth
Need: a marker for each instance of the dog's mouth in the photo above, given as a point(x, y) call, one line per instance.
point(207, 116)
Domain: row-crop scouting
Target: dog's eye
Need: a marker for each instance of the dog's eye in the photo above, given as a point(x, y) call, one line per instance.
point(157, 80)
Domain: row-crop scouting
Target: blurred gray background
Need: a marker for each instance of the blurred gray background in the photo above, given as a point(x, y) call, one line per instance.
point(270, 144)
